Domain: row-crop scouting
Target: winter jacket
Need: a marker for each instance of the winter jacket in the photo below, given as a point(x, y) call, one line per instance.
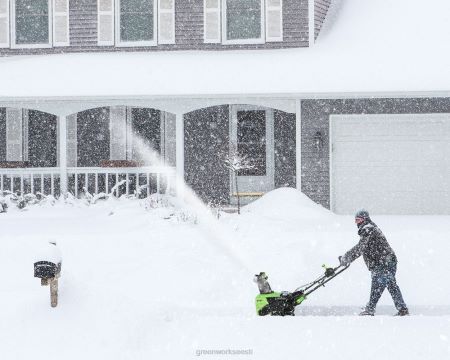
point(374, 248)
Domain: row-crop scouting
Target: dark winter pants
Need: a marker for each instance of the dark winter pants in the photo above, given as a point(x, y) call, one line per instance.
point(382, 278)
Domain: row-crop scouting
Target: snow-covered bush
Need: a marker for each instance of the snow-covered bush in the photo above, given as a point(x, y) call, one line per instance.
point(22, 201)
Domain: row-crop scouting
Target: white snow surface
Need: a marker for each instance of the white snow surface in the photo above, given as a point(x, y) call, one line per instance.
point(366, 46)
point(48, 252)
point(139, 283)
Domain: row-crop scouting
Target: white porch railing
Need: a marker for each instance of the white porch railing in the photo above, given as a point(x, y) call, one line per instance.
point(100, 179)
point(123, 181)
point(30, 180)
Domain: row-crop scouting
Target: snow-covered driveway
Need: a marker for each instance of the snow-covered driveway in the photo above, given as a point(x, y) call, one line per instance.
point(141, 284)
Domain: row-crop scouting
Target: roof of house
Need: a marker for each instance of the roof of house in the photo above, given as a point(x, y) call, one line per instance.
point(383, 46)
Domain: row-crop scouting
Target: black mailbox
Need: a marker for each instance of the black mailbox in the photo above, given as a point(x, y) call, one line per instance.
point(49, 270)
point(46, 270)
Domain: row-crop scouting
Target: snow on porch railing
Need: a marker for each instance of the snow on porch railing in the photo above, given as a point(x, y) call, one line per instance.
point(30, 180)
point(121, 181)
point(142, 181)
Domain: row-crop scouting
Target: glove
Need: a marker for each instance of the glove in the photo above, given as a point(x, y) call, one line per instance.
point(329, 272)
point(342, 262)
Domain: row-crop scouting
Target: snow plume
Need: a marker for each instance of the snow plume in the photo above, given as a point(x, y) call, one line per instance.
point(187, 199)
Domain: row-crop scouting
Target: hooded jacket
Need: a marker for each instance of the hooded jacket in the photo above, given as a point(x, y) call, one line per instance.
point(374, 248)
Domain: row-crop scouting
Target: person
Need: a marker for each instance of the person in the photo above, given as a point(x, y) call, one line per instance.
point(381, 261)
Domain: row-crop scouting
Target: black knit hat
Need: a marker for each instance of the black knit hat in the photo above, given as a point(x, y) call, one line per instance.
point(364, 214)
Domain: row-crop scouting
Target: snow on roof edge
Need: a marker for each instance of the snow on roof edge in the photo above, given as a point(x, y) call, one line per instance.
point(232, 96)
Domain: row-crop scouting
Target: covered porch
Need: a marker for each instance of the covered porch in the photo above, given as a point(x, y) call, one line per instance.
point(61, 146)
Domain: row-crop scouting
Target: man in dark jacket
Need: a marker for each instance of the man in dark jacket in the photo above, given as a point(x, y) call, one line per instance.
point(380, 260)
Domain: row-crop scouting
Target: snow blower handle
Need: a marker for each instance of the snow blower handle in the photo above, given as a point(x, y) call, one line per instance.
point(330, 274)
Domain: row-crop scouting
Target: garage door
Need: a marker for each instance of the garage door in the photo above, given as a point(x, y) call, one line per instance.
point(390, 164)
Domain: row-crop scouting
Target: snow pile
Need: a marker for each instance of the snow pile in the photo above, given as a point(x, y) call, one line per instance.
point(287, 203)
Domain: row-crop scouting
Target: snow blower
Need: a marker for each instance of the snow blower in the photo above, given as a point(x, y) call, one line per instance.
point(283, 303)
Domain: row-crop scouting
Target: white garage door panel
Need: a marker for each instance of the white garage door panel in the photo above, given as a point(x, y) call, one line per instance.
point(363, 179)
point(391, 164)
point(397, 152)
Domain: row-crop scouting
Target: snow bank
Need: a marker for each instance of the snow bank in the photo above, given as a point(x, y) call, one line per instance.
point(287, 203)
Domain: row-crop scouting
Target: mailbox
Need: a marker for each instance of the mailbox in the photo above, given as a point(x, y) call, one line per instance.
point(47, 267)
point(46, 270)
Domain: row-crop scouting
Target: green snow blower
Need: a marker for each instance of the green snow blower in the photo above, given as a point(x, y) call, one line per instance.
point(283, 303)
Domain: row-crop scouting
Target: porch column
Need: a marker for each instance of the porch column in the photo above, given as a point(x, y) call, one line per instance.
point(63, 154)
point(179, 152)
point(298, 144)
point(311, 32)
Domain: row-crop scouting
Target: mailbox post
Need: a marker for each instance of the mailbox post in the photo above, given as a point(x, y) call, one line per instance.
point(48, 269)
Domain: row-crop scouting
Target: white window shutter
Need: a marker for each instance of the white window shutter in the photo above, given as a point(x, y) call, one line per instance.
point(61, 23)
point(211, 21)
point(72, 151)
point(4, 24)
point(170, 143)
point(118, 132)
point(25, 136)
point(166, 21)
point(105, 22)
point(14, 134)
point(274, 20)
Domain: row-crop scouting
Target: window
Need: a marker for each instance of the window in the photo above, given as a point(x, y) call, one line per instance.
point(136, 21)
point(251, 141)
point(28, 135)
point(244, 20)
point(32, 22)
point(126, 124)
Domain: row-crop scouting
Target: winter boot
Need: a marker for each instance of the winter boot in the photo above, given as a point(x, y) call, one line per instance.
point(402, 312)
point(367, 312)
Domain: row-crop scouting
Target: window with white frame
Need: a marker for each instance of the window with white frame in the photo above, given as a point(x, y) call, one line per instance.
point(136, 22)
point(34, 23)
point(251, 141)
point(243, 21)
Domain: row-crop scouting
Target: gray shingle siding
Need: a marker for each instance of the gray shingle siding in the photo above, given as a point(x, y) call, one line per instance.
point(188, 30)
point(2, 134)
point(315, 117)
point(320, 12)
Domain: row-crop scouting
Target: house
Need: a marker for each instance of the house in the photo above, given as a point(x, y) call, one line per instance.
point(347, 100)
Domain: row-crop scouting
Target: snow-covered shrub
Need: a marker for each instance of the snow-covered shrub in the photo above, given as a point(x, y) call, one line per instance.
point(20, 201)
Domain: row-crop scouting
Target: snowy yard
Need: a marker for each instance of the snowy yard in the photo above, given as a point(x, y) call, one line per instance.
point(151, 283)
